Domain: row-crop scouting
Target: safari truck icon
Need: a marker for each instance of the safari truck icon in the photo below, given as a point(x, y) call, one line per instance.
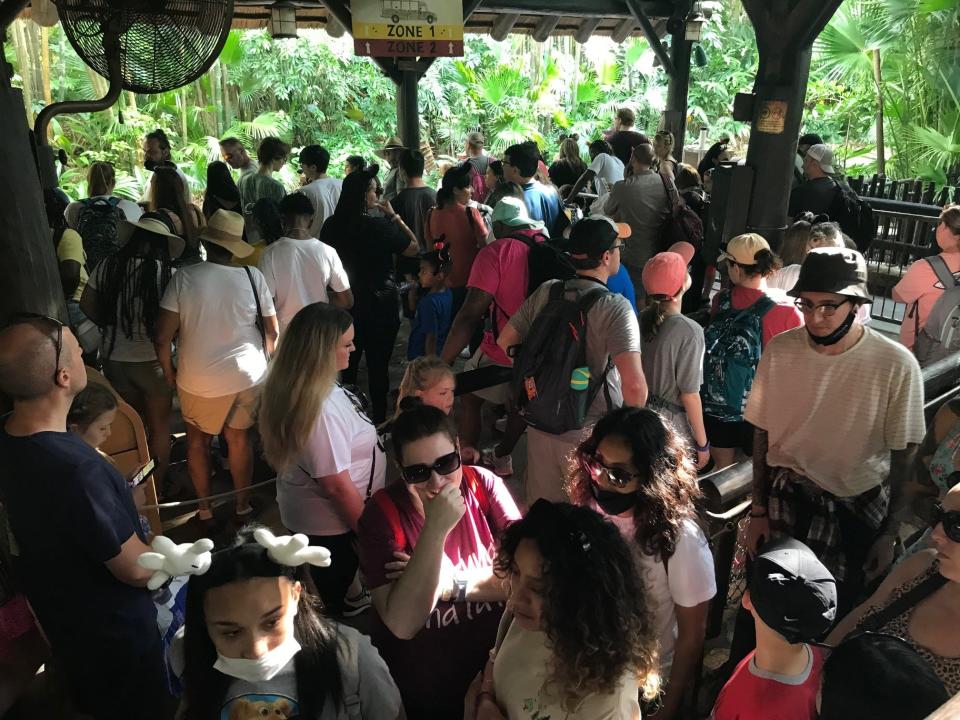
point(398, 10)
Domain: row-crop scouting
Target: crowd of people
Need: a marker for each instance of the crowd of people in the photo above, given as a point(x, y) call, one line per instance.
point(584, 591)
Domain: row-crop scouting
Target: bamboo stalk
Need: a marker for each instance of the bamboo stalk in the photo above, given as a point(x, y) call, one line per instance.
point(878, 79)
point(23, 62)
point(45, 64)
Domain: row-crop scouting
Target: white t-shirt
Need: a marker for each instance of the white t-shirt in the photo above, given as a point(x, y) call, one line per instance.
point(343, 438)
point(131, 211)
point(520, 681)
point(187, 197)
point(298, 273)
point(608, 169)
point(219, 347)
point(691, 581)
point(138, 347)
point(324, 193)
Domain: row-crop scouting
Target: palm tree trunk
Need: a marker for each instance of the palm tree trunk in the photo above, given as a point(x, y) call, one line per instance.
point(878, 80)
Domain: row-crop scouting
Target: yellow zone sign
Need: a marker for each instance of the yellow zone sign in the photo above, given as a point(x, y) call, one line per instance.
point(406, 31)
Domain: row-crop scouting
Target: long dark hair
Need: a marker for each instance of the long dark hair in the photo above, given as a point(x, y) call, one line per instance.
point(353, 194)
point(55, 205)
point(266, 214)
point(220, 187)
point(167, 192)
point(668, 491)
point(316, 665)
point(456, 178)
point(595, 612)
point(130, 276)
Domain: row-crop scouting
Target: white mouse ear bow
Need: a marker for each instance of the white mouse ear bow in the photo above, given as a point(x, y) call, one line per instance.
point(169, 560)
point(292, 550)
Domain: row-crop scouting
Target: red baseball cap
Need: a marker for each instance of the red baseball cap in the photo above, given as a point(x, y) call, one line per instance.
point(665, 273)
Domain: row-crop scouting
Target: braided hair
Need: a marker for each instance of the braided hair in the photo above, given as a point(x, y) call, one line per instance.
point(134, 279)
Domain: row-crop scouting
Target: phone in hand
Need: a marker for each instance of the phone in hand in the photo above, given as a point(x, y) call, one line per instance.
point(145, 471)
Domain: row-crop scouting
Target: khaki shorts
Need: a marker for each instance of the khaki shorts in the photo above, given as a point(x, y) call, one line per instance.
point(211, 415)
point(496, 394)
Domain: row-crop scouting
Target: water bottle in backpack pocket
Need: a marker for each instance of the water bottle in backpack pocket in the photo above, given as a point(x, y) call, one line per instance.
point(97, 225)
point(734, 341)
point(554, 393)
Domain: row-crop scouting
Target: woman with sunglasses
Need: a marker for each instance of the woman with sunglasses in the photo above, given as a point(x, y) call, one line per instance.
point(742, 321)
point(325, 449)
point(920, 600)
point(552, 659)
point(368, 233)
point(438, 617)
point(637, 470)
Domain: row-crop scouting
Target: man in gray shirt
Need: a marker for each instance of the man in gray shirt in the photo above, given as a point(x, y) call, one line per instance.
point(612, 335)
point(640, 201)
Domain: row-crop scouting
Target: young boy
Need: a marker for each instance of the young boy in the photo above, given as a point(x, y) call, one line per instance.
point(431, 323)
point(793, 599)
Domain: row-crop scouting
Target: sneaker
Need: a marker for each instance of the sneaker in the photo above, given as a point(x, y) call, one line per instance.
point(353, 606)
point(501, 424)
point(502, 466)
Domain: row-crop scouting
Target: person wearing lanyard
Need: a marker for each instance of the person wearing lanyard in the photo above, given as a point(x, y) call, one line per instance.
point(324, 447)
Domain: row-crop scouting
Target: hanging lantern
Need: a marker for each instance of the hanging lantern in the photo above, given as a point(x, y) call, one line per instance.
point(283, 21)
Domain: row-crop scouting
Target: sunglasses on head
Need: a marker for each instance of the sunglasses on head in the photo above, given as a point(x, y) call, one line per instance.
point(950, 520)
point(618, 477)
point(27, 317)
point(443, 465)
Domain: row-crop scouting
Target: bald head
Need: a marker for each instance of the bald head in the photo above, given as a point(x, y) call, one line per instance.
point(643, 155)
point(28, 354)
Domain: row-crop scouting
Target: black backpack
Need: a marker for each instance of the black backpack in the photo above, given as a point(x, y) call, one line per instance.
point(550, 374)
point(545, 262)
point(854, 215)
point(97, 226)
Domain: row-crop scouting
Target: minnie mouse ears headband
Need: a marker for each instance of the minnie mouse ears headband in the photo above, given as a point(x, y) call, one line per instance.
point(169, 560)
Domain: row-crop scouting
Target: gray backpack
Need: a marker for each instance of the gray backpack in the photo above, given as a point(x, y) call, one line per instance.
point(940, 336)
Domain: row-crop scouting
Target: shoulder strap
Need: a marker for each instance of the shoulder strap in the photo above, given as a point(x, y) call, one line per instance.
point(392, 515)
point(909, 599)
point(942, 271)
point(259, 323)
point(477, 488)
point(351, 694)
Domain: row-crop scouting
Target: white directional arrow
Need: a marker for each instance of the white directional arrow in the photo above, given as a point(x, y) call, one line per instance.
point(368, 48)
point(450, 48)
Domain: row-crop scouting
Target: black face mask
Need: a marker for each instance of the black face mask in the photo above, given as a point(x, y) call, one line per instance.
point(837, 335)
point(150, 165)
point(613, 503)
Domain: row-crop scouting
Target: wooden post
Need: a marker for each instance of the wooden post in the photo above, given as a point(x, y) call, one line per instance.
point(28, 263)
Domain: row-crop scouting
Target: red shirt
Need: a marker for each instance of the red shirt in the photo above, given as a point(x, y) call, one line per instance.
point(751, 693)
point(464, 229)
point(781, 317)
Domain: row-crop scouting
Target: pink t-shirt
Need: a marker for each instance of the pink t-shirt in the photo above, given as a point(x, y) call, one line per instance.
point(457, 638)
point(782, 317)
point(920, 285)
point(753, 693)
point(465, 237)
point(501, 269)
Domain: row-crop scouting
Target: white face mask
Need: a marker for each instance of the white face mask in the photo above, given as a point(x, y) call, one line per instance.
point(262, 669)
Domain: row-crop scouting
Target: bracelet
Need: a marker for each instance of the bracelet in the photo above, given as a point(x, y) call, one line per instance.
point(701, 448)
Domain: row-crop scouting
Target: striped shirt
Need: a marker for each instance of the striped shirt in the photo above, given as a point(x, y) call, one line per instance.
point(835, 418)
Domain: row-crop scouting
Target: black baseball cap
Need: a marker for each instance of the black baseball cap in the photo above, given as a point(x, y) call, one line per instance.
point(792, 591)
point(593, 236)
point(833, 270)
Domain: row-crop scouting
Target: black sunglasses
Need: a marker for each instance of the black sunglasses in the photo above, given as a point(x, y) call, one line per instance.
point(950, 520)
point(443, 465)
point(617, 477)
point(27, 317)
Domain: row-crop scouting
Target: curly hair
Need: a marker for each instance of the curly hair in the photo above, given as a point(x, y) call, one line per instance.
point(668, 494)
point(595, 612)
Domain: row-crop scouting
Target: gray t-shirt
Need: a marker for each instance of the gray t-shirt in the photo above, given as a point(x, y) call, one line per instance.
point(641, 202)
point(673, 360)
point(365, 678)
point(611, 329)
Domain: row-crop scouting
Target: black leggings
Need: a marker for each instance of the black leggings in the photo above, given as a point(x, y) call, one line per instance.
point(333, 581)
point(375, 324)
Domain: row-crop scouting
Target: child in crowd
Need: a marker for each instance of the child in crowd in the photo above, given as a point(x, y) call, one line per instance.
point(793, 600)
point(92, 413)
point(430, 379)
point(431, 323)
